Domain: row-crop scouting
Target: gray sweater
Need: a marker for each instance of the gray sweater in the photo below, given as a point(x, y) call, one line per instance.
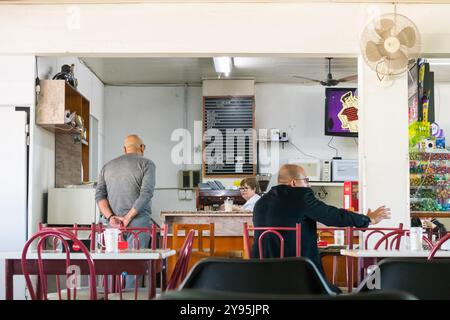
point(128, 182)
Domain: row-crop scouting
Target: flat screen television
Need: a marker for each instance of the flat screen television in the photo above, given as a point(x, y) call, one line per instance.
point(341, 112)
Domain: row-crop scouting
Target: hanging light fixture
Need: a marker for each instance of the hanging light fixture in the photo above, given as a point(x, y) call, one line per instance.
point(223, 65)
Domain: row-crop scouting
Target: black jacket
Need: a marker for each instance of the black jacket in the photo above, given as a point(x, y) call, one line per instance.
point(284, 206)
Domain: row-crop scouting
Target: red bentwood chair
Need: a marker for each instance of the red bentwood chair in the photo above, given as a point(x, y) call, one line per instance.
point(370, 234)
point(77, 231)
point(178, 274)
point(438, 245)
point(85, 233)
point(270, 230)
point(395, 238)
point(181, 267)
point(42, 287)
point(119, 291)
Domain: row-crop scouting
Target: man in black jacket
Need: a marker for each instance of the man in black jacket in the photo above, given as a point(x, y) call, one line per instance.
point(292, 201)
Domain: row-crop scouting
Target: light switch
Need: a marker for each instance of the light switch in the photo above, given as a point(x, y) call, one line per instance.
point(181, 194)
point(188, 194)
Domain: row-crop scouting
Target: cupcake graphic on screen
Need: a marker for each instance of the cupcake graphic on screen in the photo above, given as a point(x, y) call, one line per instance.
point(349, 112)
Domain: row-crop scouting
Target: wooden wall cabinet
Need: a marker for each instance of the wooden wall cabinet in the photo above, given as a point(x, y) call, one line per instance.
point(57, 97)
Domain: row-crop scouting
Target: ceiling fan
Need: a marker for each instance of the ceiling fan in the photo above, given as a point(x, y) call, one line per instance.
point(329, 81)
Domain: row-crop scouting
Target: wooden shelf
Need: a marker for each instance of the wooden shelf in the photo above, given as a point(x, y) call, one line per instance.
point(55, 99)
point(62, 128)
point(423, 187)
point(57, 96)
point(430, 214)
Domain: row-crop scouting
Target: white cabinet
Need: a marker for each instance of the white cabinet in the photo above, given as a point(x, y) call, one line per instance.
point(72, 205)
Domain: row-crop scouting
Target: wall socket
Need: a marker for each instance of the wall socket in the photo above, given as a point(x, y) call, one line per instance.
point(181, 194)
point(185, 194)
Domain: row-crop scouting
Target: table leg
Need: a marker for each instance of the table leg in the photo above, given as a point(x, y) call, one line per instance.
point(113, 284)
point(9, 283)
point(163, 275)
point(349, 274)
point(360, 274)
point(105, 285)
point(152, 278)
point(39, 293)
point(334, 269)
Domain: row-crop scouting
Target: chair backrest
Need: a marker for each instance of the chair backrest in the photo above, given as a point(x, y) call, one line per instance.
point(62, 237)
point(328, 232)
point(419, 277)
point(438, 245)
point(200, 229)
point(270, 230)
point(274, 276)
point(157, 241)
point(369, 233)
point(76, 230)
point(395, 238)
point(181, 266)
point(155, 231)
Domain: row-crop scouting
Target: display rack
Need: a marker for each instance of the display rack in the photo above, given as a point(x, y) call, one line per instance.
point(430, 182)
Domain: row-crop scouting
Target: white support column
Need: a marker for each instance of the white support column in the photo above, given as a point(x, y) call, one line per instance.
point(383, 145)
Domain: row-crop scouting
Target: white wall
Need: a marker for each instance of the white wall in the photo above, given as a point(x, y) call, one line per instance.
point(383, 152)
point(154, 112)
point(442, 107)
point(202, 29)
point(442, 117)
point(300, 111)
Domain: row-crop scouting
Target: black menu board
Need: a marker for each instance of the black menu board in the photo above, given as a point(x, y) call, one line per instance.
point(229, 139)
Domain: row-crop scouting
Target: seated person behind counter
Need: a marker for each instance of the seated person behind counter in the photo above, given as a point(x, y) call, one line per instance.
point(249, 188)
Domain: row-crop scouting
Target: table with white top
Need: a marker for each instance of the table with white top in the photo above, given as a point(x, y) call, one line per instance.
point(140, 261)
point(374, 255)
point(393, 253)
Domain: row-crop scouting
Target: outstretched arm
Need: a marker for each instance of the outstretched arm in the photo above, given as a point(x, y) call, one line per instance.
point(332, 216)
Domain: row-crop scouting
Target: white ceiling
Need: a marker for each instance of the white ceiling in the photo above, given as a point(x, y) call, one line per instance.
point(122, 71)
point(148, 71)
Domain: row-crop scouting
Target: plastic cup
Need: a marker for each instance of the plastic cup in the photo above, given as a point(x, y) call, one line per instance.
point(111, 239)
point(415, 239)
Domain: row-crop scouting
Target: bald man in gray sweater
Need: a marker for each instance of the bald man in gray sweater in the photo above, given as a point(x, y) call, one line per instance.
point(125, 189)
